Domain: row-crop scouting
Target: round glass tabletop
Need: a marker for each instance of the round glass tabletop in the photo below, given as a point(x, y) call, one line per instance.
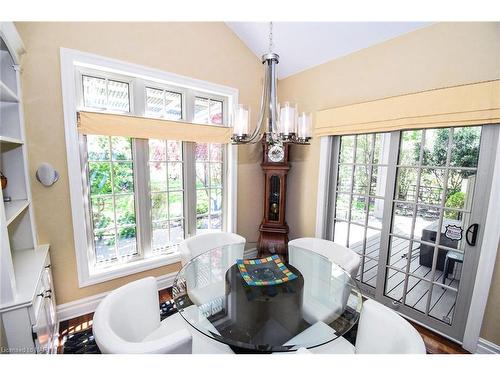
point(267, 305)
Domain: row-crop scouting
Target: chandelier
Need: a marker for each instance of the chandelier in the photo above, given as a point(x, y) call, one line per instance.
point(277, 123)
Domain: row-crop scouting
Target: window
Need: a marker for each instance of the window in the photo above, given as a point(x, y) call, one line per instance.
point(209, 175)
point(106, 94)
point(208, 111)
point(164, 104)
point(166, 193)
point(110, 178)
point(138, 198)
point(112, 203)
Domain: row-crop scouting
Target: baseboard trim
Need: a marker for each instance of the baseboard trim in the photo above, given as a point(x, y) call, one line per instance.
point(487, 347)
point(166, 281)
point(87, 305)
point(79, 307)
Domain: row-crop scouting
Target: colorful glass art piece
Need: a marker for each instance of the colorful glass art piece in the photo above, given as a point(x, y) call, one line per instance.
point(264, 271)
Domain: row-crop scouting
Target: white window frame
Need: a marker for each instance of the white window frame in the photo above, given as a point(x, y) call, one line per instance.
point(73, 62)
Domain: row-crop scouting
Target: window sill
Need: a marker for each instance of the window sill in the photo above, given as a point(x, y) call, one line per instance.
point(97, 276)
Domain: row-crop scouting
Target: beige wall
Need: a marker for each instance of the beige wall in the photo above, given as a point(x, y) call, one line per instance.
point(441, 55)
point(207, 51)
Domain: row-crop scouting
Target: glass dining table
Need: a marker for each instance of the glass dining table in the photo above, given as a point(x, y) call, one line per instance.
point(315, 303)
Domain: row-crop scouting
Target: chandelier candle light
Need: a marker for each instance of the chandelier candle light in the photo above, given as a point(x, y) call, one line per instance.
point(278, 124)
point(241, 122)
point(304, 128)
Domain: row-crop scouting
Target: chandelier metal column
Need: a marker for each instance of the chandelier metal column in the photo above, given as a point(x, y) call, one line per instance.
point(277, 123)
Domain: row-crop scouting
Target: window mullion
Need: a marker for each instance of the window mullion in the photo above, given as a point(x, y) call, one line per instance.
point(333, 170)
point(91, 254)
point(188, 106)
point(142, 197)
point(390, 186)
point(189, 188)
point(225, 188)
point(141, 173)
point(208, 186)
point(112, 174)
point(189, 169)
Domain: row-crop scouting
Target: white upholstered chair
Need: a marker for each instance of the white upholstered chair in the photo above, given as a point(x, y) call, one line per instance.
point(340, 255)
point(324, 298)
point(196, 245)
point(127, 321)
point(203, 289)
point(380, 331)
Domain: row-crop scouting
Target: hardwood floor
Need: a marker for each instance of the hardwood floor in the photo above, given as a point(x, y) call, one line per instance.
point(437, 344)
point(434, 343)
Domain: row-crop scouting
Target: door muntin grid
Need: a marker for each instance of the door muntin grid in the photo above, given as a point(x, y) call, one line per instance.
point(435, 182)
point(359, 198)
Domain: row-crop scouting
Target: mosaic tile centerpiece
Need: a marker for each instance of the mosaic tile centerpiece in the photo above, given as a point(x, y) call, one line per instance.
point(264, 271)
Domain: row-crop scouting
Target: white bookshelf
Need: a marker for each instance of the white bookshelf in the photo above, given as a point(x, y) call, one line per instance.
point(9, 141)
point(14, 208)
point(6, 94)
point(27, 302)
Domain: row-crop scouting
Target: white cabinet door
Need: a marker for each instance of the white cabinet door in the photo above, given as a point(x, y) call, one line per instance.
point(46, 324)
point(41, 330)
point(50, 301)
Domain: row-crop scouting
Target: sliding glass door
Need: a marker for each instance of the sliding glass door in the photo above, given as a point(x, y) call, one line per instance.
point(412, 205)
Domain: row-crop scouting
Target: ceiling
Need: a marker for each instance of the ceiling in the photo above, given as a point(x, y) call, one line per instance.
point(302, 45)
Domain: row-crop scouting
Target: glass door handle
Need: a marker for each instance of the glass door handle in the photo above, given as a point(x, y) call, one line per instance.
point(472, 231)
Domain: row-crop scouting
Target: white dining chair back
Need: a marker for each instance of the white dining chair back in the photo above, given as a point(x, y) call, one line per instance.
point(341, 255)
point(196, 245)
point(383, 331)
point(325, 299)
point(203, 289)
point(127, 316)
point(380, 331)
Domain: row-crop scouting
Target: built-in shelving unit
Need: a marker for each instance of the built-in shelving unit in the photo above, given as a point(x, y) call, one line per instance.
point(6, 94)
point(14, 208)
point(27, 302)
point(8, 141)
point(31, 264)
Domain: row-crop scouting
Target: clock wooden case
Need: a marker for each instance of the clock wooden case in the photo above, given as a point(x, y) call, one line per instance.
point(273, 236)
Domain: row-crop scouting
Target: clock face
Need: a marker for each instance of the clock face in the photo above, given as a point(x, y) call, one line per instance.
point(276, 153)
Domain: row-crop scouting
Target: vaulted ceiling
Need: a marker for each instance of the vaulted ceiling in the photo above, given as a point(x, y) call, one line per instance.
point(302, 45)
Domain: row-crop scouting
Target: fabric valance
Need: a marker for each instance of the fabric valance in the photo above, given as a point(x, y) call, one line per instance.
point(142, 127)
point(471, 104)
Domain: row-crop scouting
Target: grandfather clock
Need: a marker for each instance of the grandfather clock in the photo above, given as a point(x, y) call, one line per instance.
point(273, 236)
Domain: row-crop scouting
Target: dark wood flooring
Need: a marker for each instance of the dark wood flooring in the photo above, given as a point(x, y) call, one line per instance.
point(437, 344)
point(434, 343)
